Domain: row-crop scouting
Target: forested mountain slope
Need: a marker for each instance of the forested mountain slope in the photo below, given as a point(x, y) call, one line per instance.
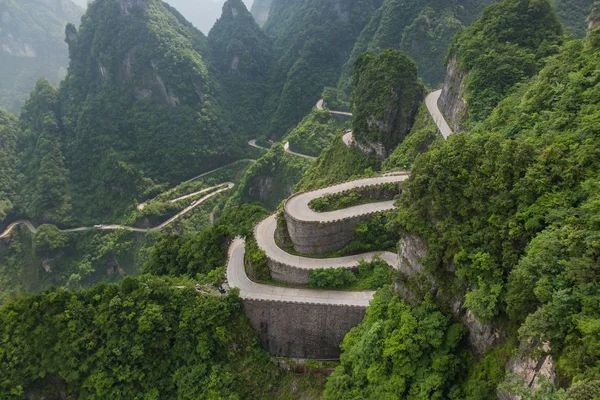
point(423, 29)
point(507, 45)
point(9, 163)
point(242, 56)
point(139, 106)
point(312, 39)
point(32, 37)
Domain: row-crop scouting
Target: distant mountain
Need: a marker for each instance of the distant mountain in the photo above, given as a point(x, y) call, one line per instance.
point(139, 107)
point(32, 45)
point(242, 55)
point(312, 40)
point(421, 28)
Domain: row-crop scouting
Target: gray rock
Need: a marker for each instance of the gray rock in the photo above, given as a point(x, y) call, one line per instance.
point(452, 102)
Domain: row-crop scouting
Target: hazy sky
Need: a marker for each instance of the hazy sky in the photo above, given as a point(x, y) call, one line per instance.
point(201, 13)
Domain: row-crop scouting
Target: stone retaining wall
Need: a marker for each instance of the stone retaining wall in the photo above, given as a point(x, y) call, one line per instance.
point(319, 238)
point(302, 330)
point(314, 237)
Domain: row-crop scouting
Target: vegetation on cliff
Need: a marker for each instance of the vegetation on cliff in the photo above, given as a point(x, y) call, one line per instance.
point(512, 206)
point(507, 45)
point(242, 55)
point(141, 109)
point(423, 29)
point(385, 98)
point(304, 67)
point(9, 163)
point(315, 132)
point(400, 351)
point(152, 336)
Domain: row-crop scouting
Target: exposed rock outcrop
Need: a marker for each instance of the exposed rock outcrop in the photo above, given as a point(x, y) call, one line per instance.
point(260, 10)
point(530, 371)
point(387, 95)
point(452, 102)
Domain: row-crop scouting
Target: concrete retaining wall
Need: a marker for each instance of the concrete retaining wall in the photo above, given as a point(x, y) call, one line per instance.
point(302, 330)
point(319, 238)
point(287, 274)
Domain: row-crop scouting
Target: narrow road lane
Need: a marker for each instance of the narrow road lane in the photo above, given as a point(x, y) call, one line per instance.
point(286, 147)
point(431, 101)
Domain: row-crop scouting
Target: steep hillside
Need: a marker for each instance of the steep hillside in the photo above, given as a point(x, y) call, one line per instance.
point(44, 196)
point(423, 29)
point(509, 213)
point(242, 55)
point(140, 106)
point(32, 37)
point(9, 163)
point(149, 335)
point(507, 45)
point(385, 99)
point(573, 14)
point(312, 39)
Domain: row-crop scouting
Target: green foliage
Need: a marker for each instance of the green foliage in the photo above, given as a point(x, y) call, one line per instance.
point(400, 351)
point(45, 195)
point(141, 338)
point(332, 99)
point(513, 207)
point(379, 232)
point(242, 55)
point(485, 375)
point(175, 255)
point(422, 136)
point(385, 98)
point(271, 179)
point(256, 262)
point(573, 14)
point(139, 106)
point(240, 219)
point(311, 41)
point(355, 197)
point(423, 29)
point(505, 46)
point(33, 46)
point(314, 133)
point(9, 163)
point(338, 163)
point(331, 278)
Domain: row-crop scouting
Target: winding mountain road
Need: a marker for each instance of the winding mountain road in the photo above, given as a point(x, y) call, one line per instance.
point(298, 208)
point(221, 188)
point(236, 277)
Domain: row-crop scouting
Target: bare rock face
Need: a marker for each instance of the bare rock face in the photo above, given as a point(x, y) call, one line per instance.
point(530, 370)
point(452, 102)
point(481, 336)
point(260, 10)
point(412, 250)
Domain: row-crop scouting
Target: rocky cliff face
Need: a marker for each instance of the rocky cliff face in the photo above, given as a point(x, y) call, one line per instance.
point(530, 370)
point(417, 282)
point(260, 10)
point(386, 98)
point(452, 102)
